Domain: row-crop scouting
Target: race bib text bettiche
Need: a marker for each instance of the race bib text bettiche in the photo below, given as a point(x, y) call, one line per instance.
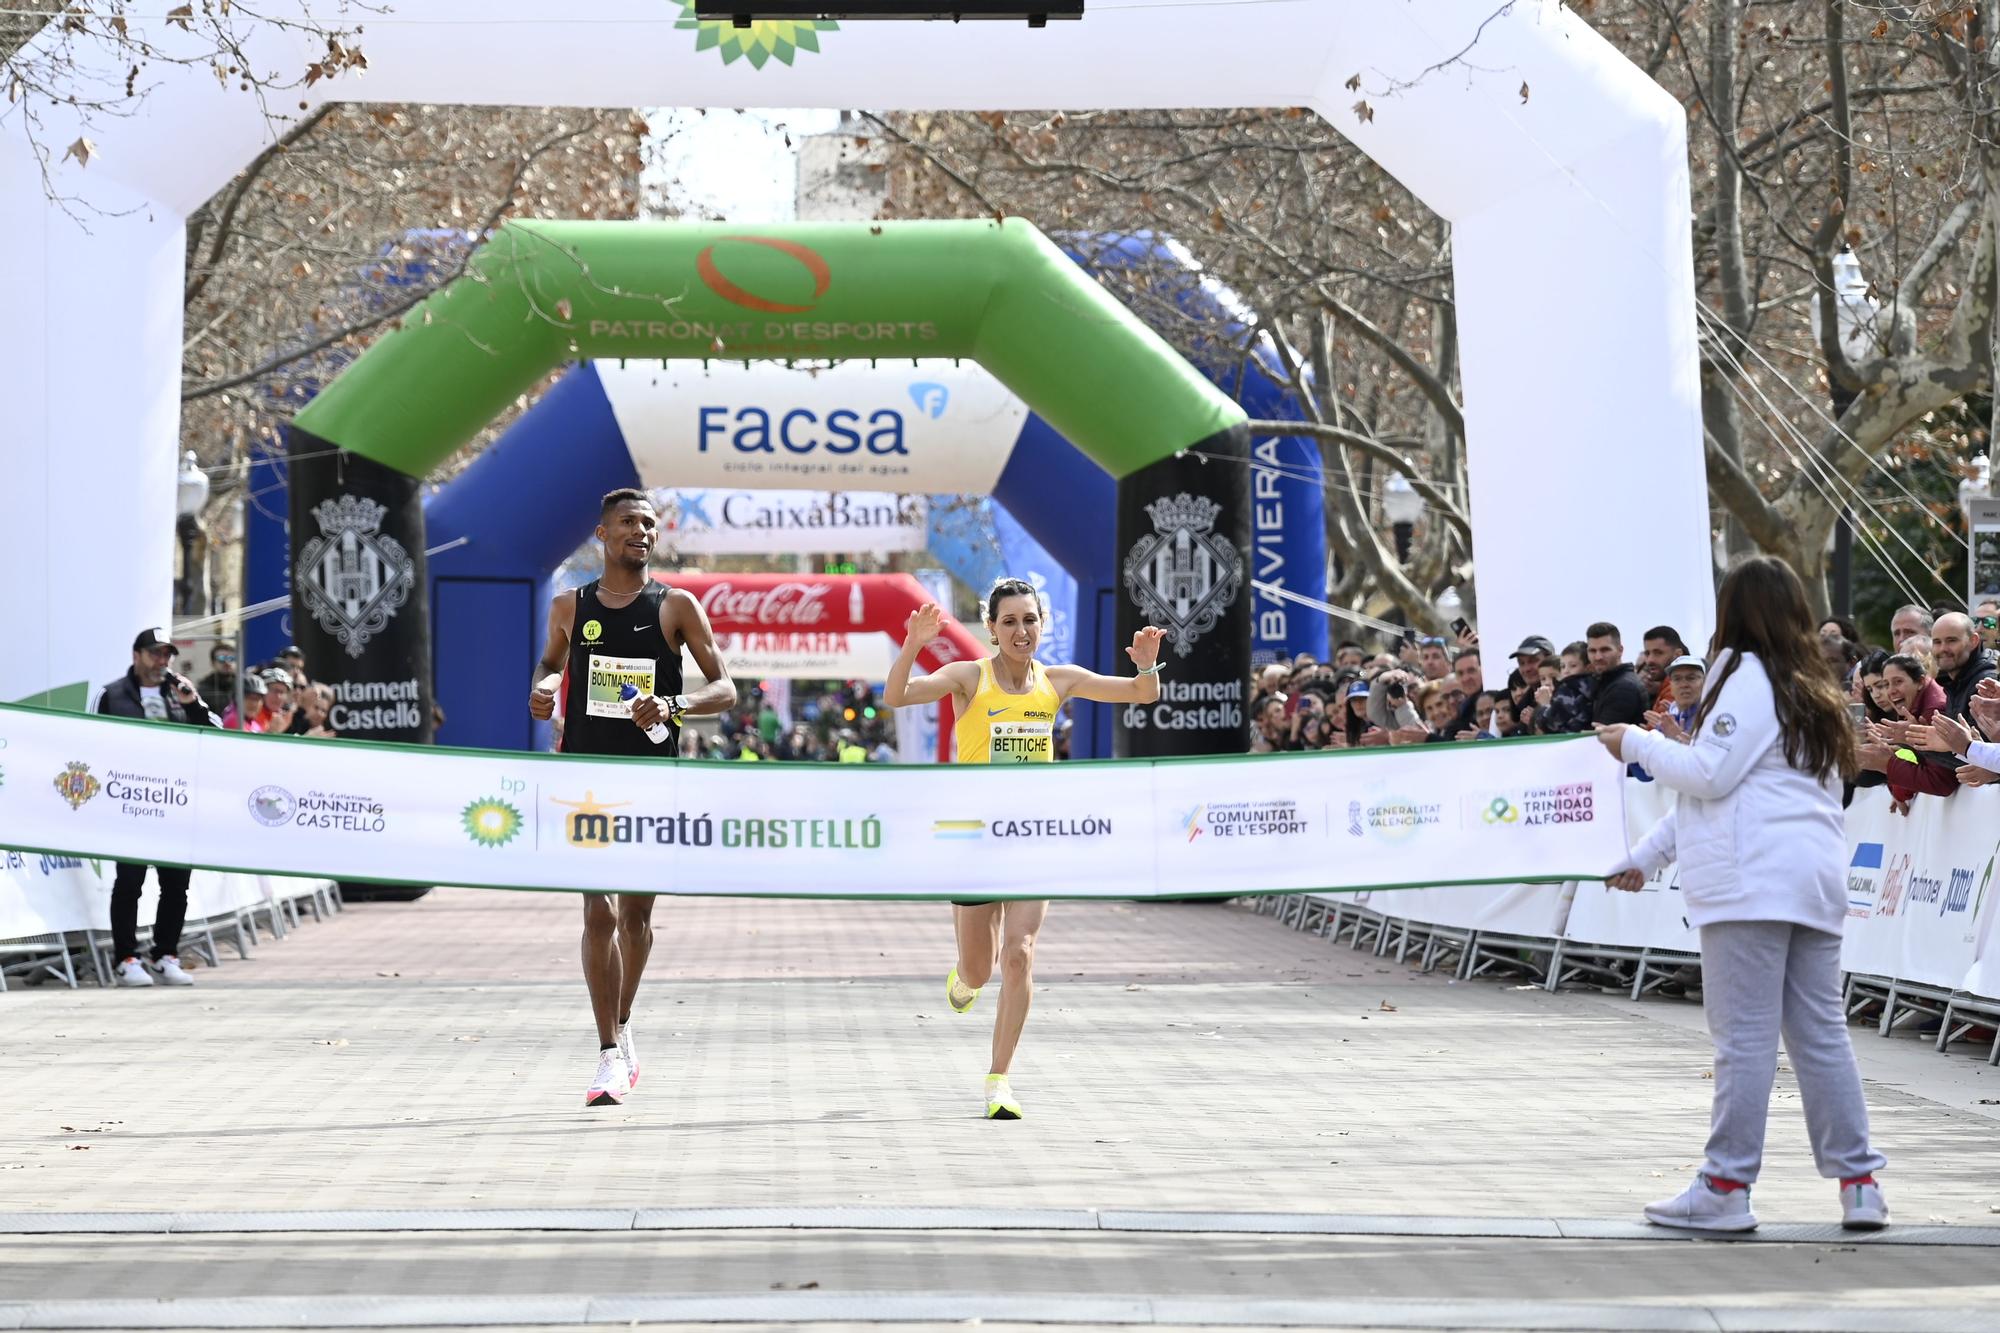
point(1022, 743)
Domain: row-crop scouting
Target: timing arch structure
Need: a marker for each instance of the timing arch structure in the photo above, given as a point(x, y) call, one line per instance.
point(1571, 249)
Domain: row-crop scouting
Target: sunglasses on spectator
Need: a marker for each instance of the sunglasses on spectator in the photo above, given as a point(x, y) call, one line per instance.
point(1427, 641)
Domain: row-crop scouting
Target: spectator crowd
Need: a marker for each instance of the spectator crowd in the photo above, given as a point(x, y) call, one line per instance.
point(278, 698)
point(841, 724)
point(1919, 704)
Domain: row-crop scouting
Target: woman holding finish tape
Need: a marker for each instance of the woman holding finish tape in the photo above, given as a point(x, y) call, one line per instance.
point(1762, 847)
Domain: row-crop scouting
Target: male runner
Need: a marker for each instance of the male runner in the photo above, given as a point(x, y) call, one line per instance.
point(623, 628)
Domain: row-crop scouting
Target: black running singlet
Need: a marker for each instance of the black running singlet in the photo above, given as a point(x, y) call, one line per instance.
point(609, 647)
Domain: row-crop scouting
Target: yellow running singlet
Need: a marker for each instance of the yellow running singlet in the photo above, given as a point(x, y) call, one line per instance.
point(1003, 728)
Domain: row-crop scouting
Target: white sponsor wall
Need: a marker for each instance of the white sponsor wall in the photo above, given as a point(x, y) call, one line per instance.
point(1921, 891)
point(51, 894)
point(109, 788)
point(923, 427)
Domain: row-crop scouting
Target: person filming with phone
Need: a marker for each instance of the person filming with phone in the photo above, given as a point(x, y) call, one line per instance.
point(152, 691)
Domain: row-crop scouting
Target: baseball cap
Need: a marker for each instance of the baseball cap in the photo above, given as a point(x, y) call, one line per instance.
point(1359, 689)
point(1534, 643)
point(153, 637)
point(1687, 661)
point(291, 650)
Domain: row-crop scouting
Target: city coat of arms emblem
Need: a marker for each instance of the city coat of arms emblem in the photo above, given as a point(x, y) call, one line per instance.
point(353, 576)
point(1183, 574)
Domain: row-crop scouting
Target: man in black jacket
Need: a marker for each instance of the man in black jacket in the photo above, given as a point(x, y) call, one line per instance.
point(151, 691)
point(1621, 695)
point(1961, 662)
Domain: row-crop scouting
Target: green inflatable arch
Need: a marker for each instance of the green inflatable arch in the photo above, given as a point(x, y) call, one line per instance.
point(542, 293)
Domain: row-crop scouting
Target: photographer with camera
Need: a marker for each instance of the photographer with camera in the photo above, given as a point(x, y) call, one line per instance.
point(152, 691)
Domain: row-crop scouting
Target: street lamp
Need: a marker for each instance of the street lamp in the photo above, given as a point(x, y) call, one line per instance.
point(191, 497)
point(1404, 507)
point(1855, 311)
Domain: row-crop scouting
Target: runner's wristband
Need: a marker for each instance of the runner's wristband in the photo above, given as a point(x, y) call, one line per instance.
point(1152, 670)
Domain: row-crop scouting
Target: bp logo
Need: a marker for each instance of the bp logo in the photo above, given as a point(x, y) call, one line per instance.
point(592, 631)
point(1183, 573)
point(763, 40)
point(75, 785)
point(491, 822)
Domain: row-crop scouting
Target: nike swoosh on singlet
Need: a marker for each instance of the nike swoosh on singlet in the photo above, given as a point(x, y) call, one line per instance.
point(995, 712)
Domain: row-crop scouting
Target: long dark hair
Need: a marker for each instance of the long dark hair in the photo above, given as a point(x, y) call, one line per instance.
point(1761, 609)
point(1872, 665)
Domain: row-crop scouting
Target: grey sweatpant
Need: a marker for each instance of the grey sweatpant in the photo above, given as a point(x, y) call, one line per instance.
point(1759, 978)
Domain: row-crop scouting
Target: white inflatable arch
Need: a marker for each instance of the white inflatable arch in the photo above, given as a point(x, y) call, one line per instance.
point(1570, 243)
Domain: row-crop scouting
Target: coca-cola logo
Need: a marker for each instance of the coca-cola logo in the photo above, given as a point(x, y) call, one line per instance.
point(781, 604)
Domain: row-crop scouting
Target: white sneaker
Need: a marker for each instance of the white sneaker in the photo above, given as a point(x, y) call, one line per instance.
point(613, 1081)
point(1862, 1207)
point(131, 972)
point(630, 1050)
point(1702, 1207)
point(168, 969)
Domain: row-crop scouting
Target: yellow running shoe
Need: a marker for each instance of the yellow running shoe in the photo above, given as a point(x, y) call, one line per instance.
point(1000, 1103)
point(958, 996)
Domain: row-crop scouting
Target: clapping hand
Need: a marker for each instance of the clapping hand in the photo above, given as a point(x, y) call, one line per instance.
point(1665, 724)
point(1986, 707)
point(1914, 735)
point(1951, 734)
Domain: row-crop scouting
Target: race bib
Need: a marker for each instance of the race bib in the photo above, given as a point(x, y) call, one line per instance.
point(607, 676)
point(1022, 743)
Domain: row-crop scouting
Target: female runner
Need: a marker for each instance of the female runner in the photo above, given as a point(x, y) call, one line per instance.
point(1007, 707)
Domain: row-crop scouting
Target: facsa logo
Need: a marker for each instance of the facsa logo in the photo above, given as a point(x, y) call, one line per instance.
point(931, 399)
point(750, 431)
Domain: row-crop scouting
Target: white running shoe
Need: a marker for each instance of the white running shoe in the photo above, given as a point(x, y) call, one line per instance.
point(1703, 1207)
point(612, 1082)
point(131, 972)
point(630, 1050)
point(1862, 1207)
point(1000, 1103)
point(168, 969)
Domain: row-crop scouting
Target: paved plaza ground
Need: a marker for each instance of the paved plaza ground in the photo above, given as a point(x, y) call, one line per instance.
point(378, 1121)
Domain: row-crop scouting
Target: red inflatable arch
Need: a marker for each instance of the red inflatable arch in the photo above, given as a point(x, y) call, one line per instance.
point(829, 604)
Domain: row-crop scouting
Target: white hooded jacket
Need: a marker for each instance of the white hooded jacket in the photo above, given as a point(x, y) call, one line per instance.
point(1757, 839)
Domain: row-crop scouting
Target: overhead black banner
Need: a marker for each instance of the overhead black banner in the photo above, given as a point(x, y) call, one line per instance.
point(360, 609)
point(1184, 561)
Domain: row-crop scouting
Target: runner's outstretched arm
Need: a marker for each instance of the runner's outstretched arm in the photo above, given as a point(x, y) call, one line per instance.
point(958, 679)
point(1144, 688)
